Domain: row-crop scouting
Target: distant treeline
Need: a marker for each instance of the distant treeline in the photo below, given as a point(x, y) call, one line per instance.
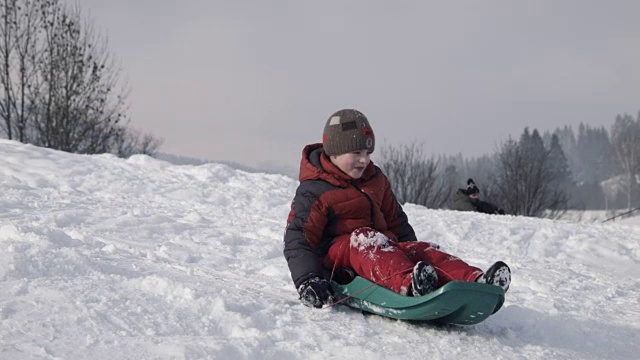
point(535, 175)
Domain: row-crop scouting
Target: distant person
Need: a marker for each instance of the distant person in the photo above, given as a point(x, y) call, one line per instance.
point(469, 200)
point(345, 215)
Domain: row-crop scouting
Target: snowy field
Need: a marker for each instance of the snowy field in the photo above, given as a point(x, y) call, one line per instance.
point(105, 258)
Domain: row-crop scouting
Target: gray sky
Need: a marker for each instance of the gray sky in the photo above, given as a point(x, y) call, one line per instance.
point(254, 81)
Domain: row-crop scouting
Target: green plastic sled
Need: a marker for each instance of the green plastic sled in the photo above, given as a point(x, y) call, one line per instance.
point(457, 302)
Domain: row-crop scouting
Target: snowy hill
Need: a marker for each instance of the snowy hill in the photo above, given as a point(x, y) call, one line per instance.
point(269, 168)
point(105, 258)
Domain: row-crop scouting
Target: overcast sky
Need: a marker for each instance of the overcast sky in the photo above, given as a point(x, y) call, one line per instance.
point(255, 81)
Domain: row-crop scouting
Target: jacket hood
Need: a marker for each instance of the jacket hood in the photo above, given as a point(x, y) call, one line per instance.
point(316, 165)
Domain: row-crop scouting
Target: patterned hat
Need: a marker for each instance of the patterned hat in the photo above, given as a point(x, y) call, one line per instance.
point(346, 131)
point(472, 188)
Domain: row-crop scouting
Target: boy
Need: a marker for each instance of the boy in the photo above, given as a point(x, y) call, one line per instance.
point(344, 214)
point(469, 200)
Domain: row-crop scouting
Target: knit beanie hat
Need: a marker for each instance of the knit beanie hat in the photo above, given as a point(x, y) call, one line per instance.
point(346, 131)
point(472, 188)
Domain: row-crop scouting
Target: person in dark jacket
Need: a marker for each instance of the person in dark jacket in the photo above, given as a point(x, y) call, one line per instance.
point(345, 216)
point(469, 200)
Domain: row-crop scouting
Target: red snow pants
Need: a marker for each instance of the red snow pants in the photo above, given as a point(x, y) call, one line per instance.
point(385, 262)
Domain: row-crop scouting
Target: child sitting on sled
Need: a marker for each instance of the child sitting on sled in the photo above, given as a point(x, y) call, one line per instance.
point(345, 215)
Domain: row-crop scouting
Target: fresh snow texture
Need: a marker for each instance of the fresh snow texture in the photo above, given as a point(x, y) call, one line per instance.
point(369, 239)
point(106, 258)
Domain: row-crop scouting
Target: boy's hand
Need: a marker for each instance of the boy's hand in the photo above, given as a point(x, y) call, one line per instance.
point(316, 293)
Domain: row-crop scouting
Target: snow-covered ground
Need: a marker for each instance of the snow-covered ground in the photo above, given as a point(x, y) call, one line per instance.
point(105, 258)
point(635, 220)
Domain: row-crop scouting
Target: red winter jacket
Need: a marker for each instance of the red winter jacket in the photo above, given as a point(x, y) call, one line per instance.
point(329, 205)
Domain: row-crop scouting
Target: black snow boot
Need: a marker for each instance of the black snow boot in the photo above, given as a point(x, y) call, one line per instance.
point(424, 279)
point(498, 274)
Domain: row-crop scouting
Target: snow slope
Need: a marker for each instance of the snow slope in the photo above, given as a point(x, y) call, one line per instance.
point(105, 258)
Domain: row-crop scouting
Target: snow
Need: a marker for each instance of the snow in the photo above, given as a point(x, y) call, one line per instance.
point(369, 239)
point(106, 258)
point(635, 220)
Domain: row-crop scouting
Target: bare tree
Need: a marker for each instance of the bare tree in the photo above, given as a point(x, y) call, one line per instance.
point(130, 141)
point(527, 180)
point(19, 22)
point(414, 177)
point(59, 85)
point(7, 48)
point(77, 105)
point(509, 175)
point(625, 140)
